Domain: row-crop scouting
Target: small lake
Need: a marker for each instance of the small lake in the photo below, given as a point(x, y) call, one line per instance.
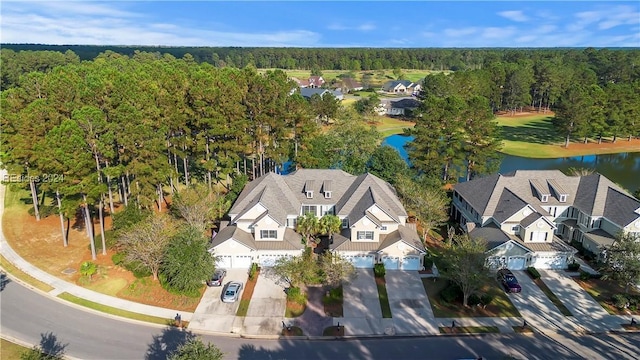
point(623, 168)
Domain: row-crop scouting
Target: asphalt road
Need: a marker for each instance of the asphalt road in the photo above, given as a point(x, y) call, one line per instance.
point(31, 317)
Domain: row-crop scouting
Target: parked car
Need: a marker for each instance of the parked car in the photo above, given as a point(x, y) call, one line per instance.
point(218, 276)
point(509, 281)
point(232, 293)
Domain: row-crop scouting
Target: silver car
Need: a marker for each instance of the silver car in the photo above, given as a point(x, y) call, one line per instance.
point(232, 292)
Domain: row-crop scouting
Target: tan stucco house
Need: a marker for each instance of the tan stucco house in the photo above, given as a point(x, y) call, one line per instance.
point(529, 217)
point(374, 222)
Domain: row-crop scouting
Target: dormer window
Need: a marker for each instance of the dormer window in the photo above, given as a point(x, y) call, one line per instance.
point(308, 189)
point(544, 198)
point(309, 194)
point(563, 198)
point(327, 194)
point(326, 189)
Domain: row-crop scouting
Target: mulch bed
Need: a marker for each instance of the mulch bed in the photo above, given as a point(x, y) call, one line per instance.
point(292, 331)
point(602, 291)
point(333, 331)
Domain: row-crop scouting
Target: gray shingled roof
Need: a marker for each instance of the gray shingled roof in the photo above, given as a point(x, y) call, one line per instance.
point(507, 205)
point(381, 192)
point(477, 199)
point(601, 237)
point(292, 241)
point(491, 234)
point(620, 208)
point(232, 232)
point(587, 191)
point(404, 234)
point(309, 92)
point(530, 219)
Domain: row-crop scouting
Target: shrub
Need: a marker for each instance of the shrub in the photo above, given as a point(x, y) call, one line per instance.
point(428, 262)
point(128, 217)
point(294, 294)
point(253, 271)
point(486, 299)
point(118, 258)
point(379, 270)
point(634, 302)
point(451, 293)
point(474, 299)
point(44, 211)
point(533, 272)
point(620, 301)
point(584, 275)
point(137, 269)
point(88, 268)
point(574, 266)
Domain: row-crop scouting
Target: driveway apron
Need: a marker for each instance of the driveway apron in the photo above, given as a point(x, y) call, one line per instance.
point(267, 306)
point(410, 307)
point(361, 306)
point(536, 308)
point(212, 314)
point(584, 307)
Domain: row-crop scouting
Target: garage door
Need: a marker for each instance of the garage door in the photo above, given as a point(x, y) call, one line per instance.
point(410, 263)
point(361, 261)
point(224, 261)
point(551, 262)
point(242, 261)
point(516, 263)
point(270, 259)
point(390, 262)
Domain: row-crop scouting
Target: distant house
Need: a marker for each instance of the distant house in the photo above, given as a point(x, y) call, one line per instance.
point(374, 222)
point(401, 107)
point(307, 93)
point(348, 85)
point(301, 83)
point(401, 87)
point(529, 216)
point(316, 81)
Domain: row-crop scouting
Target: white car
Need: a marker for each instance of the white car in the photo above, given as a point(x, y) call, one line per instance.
point(232, 292)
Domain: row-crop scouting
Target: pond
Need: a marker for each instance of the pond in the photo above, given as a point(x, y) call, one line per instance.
point(622, 168)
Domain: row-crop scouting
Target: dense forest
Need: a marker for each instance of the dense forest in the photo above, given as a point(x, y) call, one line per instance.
point(135, 126)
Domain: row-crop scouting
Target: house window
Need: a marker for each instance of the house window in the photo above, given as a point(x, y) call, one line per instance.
point(544, 198)
point(538, 236)
point(268, 234)
point(309, 209)
point(563, 198)
point(365, 235)
point(327, 210)
point(515, 228)
point(292, 223)
point(383, 227)
point(309, 194)
point(327, 194)
point(345, 223)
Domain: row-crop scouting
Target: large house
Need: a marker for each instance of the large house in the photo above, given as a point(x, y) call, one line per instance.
point(307, 93)
point(529, 217)
point(374, 222)
point(401, 87)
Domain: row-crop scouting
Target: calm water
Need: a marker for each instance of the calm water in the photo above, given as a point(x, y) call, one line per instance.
point(623, 169)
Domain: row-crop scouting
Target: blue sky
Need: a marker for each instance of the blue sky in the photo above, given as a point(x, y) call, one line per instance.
point(324, 24)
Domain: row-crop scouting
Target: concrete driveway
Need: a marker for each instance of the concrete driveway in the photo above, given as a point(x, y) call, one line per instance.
point(361, 305)
point(267, 306)
point(536, 308)
point(584, 307)
point(212, 314)
point(410, 307)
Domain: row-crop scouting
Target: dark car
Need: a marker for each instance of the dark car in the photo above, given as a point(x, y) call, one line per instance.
point(509, 281)
point(218, 276)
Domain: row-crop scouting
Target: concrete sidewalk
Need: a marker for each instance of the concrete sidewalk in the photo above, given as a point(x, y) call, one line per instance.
point(61, 286)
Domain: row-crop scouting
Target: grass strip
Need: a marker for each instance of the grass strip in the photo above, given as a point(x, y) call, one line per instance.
point(384, 298)
point(243, 307)
point(554, 299)
point(115, 311)
point(469, 330)
point(23, 276)
point(11, 351)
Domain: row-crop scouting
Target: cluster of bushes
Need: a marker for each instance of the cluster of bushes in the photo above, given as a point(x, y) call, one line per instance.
point(574, 266)
point(533, 272)
point(428, 261)
point(586, 254)
point(335, 296)
point(626, 301)
point(452, 294)
point(379, 270)
point(136, 268)
point(295, 295)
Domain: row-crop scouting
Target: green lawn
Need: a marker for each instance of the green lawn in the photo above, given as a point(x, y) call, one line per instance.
point(384, 298)
point(114, 311)
point(243, 307)
point(388, 126)
point(535, 136)
point(10, 351)
point(8, 267)
point(501, 306)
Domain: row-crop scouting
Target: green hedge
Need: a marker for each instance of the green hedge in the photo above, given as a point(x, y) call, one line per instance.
point(574, 266)
point(533, 272)
point(294, 294)
point(379, 270)
point(253, 271)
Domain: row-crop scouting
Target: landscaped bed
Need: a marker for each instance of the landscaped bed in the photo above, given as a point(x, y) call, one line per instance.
point(296, 302)
point(500, 305)
point(333, 301)
point(247, 294)
point(333, 331)
point(603, 291)
point(381, 284)
point(292, 331)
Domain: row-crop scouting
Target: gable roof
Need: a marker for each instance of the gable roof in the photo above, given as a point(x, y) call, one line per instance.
point(309, 92)
point(477, 199)
point(620, 208)
point(405, 104)
point(491, 234)
point(379, 192)
point(233, 233)
point(351, 83)
point(404, 234)
point(392, 84)
point(508, 204)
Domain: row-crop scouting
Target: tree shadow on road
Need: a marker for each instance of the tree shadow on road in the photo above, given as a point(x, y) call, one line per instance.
point(167, 342)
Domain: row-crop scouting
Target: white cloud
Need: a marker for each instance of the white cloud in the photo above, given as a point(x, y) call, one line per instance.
point(368, 26)
point(514, 15)
point(459, 32)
